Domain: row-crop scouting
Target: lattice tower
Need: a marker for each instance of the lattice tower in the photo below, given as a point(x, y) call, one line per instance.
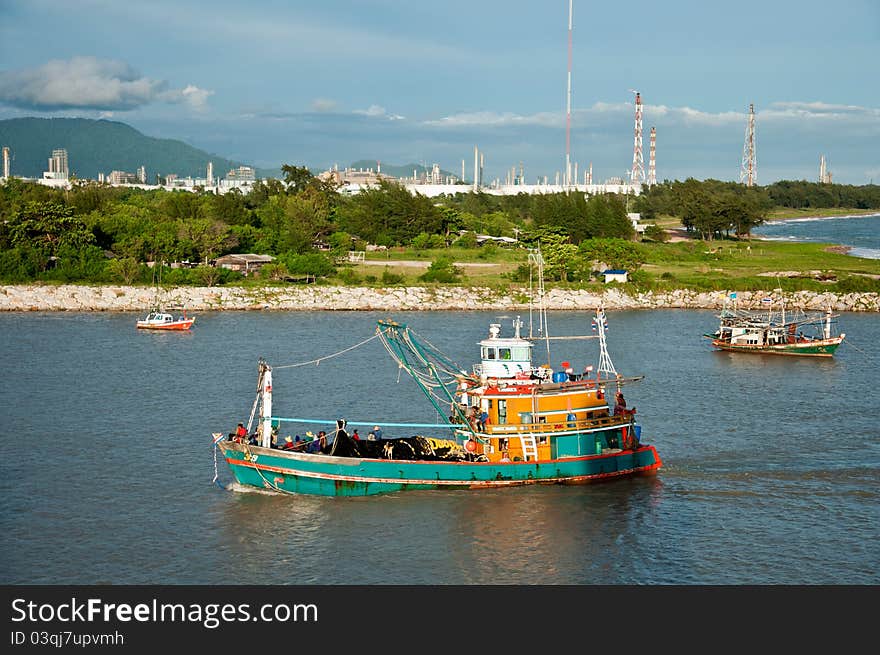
point(637, 175)
point(748, 173)
point(652, 158)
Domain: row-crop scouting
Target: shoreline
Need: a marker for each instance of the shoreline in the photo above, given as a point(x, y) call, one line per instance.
point(852, 213)
point(116, 298)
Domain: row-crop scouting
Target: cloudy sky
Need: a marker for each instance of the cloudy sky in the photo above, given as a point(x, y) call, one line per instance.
point(270, 82)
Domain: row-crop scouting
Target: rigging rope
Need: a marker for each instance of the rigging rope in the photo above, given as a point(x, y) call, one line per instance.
point(218, 437)
point(336, 354)
point(851, 345)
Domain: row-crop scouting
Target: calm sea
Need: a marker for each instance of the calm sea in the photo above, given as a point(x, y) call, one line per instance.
point(771, 465)
point(861, 233)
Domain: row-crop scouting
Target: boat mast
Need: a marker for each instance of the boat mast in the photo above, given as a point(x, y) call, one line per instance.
point(266, 408)
point(605, 364)
point(537, 260)
point(781, 302)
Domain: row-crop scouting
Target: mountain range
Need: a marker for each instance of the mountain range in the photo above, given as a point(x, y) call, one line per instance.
point(100, 146)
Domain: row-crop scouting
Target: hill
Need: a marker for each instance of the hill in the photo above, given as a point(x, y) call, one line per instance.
point(101, 146)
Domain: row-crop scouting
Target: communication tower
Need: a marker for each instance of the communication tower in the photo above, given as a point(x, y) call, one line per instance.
point(824, 173)
point(652, 159)
point(568, 105)
point(748, 172)
point(637, 175)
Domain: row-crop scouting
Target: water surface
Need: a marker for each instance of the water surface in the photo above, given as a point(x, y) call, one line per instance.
point(770, 476)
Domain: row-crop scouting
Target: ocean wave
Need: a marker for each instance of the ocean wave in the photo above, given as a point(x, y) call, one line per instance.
point(865, 253)
point(816, 219)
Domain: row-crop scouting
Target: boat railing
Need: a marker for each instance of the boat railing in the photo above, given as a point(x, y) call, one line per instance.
point(582, 425)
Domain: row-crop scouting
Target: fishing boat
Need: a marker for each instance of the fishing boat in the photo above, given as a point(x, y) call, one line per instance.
point(773, 332)
point(508, 422)
point(158, 320)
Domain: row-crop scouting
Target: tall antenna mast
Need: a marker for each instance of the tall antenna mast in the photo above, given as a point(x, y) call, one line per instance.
point(748, 172)
point(537, 260)
point(652, 159)
point(567, 176)
point(637, 175)
point(606, 366)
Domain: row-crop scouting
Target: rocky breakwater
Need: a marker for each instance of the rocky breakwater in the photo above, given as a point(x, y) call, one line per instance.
point(317, 298)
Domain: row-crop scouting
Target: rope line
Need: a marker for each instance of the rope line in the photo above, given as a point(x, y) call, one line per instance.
point(336, 354)
point(852, 345)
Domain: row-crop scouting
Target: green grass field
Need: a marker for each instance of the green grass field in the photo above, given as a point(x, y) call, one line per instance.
point(691, 264)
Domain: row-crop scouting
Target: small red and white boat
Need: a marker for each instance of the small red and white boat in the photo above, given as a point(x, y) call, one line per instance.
point(164, 321)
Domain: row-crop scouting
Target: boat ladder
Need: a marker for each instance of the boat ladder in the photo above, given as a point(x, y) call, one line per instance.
point(529, 447)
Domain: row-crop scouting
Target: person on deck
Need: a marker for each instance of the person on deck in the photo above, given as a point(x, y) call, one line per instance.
point(355, 435)
point(483, 421)
point(377, 432)
point(240, 433)
point(619, 404)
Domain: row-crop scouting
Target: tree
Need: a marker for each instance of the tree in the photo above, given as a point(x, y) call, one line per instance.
point(616, 253)
point(203, 237)
point(560, 257)
point(654, 232)
point(48, 227)
point(207, 275)
point(296, 178)
point(125, 270)
point(441, 270)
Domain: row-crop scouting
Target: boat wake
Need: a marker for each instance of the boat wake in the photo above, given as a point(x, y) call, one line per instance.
point(245, 489)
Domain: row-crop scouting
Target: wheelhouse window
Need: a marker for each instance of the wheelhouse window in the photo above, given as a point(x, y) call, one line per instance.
point(520, 353)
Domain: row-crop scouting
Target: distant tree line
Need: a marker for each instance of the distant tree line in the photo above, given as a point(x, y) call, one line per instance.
point(714, 209)
point(98, 233)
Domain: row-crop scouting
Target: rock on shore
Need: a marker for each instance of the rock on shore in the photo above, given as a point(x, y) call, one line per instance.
point(315, 298)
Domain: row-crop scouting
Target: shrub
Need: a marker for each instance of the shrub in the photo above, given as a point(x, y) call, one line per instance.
point(390, 278)
point(441, 270)
point(466, 240)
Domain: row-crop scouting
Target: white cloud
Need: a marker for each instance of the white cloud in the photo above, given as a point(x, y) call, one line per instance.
point(194, 97)
point(323, 105)
point(496, 119)
point(662, 114)
point(90, 83)
point(375, 111)
point(821, 111)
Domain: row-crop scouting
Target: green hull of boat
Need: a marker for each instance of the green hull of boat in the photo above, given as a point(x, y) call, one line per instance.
point(326, 475)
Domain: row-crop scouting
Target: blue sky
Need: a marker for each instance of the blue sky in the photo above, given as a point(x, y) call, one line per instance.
point(270, 82)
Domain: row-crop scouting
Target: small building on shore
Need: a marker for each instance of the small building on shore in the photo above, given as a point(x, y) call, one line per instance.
point(614, 275)
point(243, 263)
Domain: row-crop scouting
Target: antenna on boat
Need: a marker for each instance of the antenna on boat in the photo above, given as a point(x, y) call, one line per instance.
point(606, 366)
point(538, 261)
point(781, 302)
